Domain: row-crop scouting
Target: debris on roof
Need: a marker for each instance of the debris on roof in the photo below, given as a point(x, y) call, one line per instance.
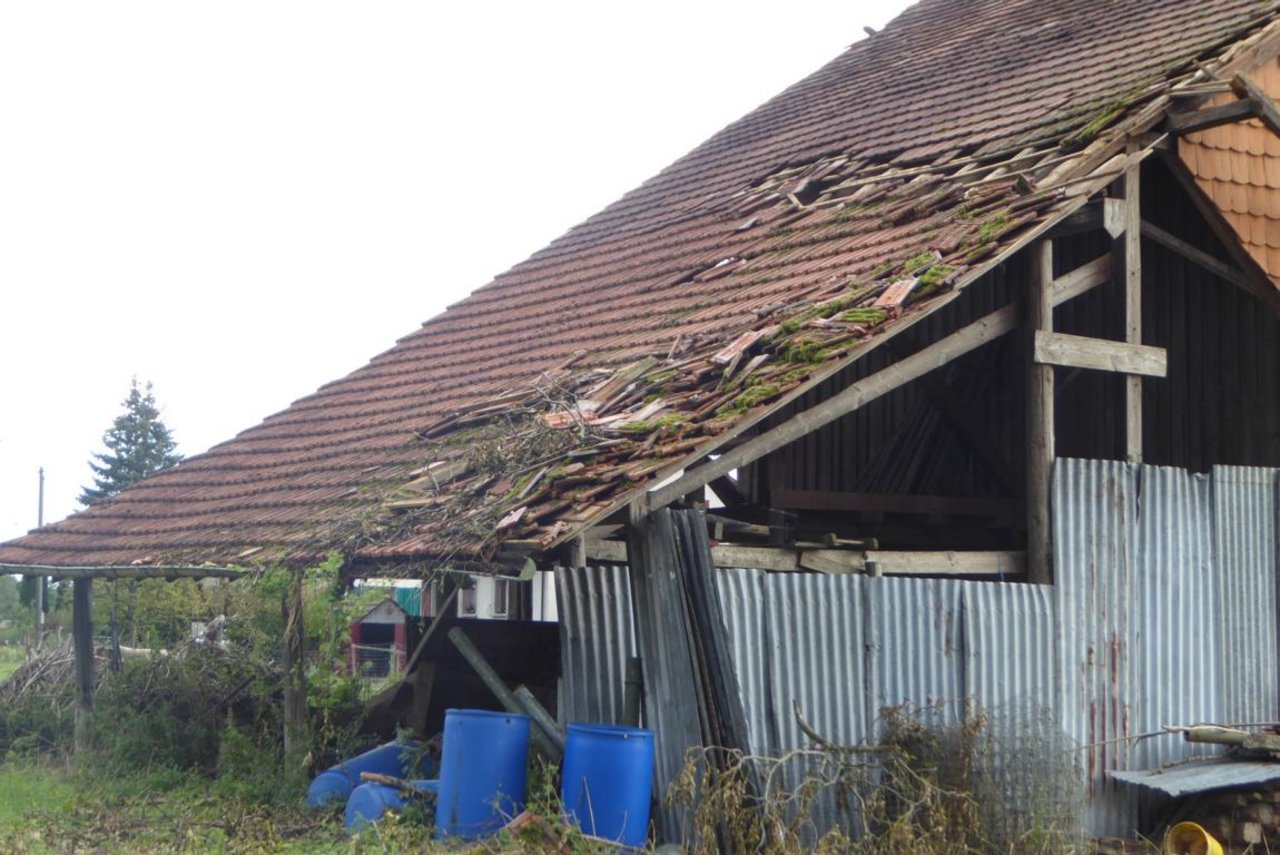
point(795, 240)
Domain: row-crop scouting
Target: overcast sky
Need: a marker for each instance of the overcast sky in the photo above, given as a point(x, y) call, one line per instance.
point(240, 201)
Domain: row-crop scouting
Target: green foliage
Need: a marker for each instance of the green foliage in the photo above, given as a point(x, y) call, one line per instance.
point(917, 262)
point(990, 229)
point(151, 612)
point(752, 396)
point(169, 712)
point(871, 316)
point(804, 350)
point(138, 444)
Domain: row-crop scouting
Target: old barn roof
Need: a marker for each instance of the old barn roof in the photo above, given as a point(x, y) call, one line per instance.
point(796, 238)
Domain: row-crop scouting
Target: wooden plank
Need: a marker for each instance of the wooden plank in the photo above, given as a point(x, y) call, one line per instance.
point(82, 634)
point(1246, 89)
point(1133, 310)
point(1075, 351)
point(822, 500)
point(1211, 117)
point(1082, 280)
point(845, 561)
point(864, 391)
point(1040, 419)
point(1256, 281)
point(833, 562)
point(724, 555)
point(949, 563)
point(127, 572)
point(1197, 256)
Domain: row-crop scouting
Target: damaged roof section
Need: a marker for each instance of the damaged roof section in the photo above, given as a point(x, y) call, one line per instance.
point(798, 238)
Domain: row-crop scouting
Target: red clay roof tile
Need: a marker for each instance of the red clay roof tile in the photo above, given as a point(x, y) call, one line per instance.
point(768, 245)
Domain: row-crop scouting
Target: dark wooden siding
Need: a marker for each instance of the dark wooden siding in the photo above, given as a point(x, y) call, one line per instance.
point(1219, 404)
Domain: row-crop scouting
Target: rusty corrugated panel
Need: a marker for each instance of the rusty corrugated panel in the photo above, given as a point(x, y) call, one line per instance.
point(596, 638)
point(1245, 526)
point(1094, 509)
point(841, 646)
point(1166, 587)
point(1173, 604)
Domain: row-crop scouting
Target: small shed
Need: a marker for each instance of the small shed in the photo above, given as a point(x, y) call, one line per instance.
point(379, 640)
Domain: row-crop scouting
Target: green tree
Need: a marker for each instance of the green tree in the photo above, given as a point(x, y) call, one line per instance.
point(10, 608)
point(138, 444)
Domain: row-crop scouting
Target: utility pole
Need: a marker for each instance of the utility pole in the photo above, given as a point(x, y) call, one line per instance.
point(40, 579)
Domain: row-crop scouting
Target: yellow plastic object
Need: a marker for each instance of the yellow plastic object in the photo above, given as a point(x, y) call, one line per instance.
point(1187, 838)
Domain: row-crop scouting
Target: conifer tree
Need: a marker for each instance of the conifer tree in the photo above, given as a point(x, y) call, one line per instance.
point(138, 444)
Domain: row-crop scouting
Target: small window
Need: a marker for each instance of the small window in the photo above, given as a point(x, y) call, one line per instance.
point(501, 597)
point(467, 601)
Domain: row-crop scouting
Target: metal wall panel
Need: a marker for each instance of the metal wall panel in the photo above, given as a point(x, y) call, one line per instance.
point(1164, 610)
point(1244, 509)
point(1166, 584)
point(744, 610)
point(1094, 517)
point(1010, 637)
point(917, 644)
point(1174, 663)
point(596, 639)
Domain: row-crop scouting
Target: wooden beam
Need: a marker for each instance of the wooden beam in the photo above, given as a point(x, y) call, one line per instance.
point(864, 391)
point(82, 639)
point(948, 563)
point(1210, 263)
point(843, 561)
point(1211, 117)
point(1246, 89)
point(1104, 214)
point(822, 500)
point(126, 572)
point(1133, 309)
point(1075, 351)
point(1040, 419)
point(1256, 281)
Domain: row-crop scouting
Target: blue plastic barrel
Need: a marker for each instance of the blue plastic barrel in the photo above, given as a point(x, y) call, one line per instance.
point(369, 802)
point(607, 781)
point(482, 772)
point(334, 785)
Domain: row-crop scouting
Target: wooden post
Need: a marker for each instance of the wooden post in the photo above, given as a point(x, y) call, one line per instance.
point(82, 629)
point(1040, 416)
point(295, 679)
point(1133, 310)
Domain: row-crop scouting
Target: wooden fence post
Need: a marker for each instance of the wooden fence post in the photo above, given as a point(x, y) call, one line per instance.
point(1040, 419)
point(82, 631)
point(293, 662)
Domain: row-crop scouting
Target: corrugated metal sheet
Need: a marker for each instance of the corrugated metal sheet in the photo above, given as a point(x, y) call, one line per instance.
point(1166, 584)
point(1010, 638)
point(842, 647)
point(1094, 510)
point(1166, 588)
point(596, 639)
point(1204, 777)
point(918, 658)
point(1244, 519)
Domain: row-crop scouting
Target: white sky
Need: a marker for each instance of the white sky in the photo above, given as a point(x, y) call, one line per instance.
point(240, 201)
